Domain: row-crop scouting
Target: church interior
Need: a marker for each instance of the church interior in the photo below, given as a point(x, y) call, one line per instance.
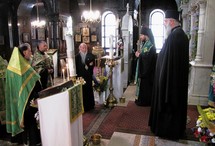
point(111, 34)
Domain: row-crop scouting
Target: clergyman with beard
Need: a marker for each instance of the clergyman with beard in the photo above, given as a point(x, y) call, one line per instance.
point(85, 62)
point(170, 92)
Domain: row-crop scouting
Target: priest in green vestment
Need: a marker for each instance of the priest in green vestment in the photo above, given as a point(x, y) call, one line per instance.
point(43, 64)
point(20, 81)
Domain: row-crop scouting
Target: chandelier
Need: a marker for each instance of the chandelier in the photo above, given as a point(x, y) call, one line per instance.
point(38, 22)
point(91, 16)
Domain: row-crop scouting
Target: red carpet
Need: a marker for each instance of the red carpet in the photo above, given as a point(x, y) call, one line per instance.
point(135, 120)
point(90, 117)
point(132, 119)
point(109, 125)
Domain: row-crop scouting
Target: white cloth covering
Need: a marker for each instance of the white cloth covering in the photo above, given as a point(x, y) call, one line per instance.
point(55, 126)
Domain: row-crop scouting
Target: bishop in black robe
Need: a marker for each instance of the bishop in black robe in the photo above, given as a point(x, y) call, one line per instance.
point(170, 92)
point(84, 69)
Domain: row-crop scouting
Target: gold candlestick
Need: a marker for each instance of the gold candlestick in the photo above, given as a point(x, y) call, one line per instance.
point(98, 51)
point(111, 101)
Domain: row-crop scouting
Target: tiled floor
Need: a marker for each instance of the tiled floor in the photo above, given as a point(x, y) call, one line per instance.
point(127, 139)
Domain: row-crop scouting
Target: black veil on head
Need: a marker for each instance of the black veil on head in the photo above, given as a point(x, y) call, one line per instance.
point(174, 14)
point(147, 31)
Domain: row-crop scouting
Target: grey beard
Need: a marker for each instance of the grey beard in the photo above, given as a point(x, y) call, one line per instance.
point(167, 32)
point(83, 57)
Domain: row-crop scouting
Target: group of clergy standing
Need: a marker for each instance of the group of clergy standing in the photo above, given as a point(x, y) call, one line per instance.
point(162, 82)
point(25, 76)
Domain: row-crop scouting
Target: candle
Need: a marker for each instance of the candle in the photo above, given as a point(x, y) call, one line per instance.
point(111, 47)
point(63, 71)
point(67, 70)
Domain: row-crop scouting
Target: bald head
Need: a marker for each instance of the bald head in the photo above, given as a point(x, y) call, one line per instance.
point(42, 46)
point(83, 48)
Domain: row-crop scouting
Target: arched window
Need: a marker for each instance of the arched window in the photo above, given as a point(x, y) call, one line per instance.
point(108, 28)
point(156, 20)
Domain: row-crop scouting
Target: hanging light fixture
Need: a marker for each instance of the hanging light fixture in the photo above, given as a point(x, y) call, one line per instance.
point(38, 22)
point(91, 16)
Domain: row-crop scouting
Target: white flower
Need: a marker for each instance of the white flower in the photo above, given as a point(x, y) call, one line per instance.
point(213, 140)
point(211, 134)
point(198, 122)
point(199, 129)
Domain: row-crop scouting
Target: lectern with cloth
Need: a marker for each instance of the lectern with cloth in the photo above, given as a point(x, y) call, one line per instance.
point(60, 117)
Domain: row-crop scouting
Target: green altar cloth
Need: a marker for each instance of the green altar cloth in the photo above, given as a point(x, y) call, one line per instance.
point(76, 102)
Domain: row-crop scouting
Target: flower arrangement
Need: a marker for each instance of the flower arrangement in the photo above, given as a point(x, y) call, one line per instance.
point(100, 83)
point(212, 81)
point(205, 125)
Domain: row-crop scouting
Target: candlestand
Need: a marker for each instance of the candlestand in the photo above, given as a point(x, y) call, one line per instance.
point(111, 101)
point(98, 51)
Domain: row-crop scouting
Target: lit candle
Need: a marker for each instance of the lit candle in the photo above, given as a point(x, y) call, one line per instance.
point(111, 47)
point(63, 71)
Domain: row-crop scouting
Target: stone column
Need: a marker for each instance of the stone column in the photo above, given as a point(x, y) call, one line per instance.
point(202, 8)
point(193, 30)
point(201, 67)
point(185, 16)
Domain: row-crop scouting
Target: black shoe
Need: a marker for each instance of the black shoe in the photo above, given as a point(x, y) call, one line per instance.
point(137, 103)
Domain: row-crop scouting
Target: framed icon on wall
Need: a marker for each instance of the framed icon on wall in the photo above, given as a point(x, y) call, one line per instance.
point(26, 37)
point(33, 33)
point(78, 38)
point(86, 39)
point(85, 31)
point(93, 38)
point(41, 34)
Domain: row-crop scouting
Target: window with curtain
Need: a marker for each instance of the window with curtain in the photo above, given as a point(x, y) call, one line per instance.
point(108, 28)
point(156, 20)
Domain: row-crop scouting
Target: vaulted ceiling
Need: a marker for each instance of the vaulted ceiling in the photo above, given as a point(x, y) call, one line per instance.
point(26, 6)
point(77, 6)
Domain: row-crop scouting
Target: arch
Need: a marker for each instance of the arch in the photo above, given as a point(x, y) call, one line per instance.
point(108, 28)
point(156, 19)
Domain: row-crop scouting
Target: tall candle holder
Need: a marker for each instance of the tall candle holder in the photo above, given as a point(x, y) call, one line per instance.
point(111, 101)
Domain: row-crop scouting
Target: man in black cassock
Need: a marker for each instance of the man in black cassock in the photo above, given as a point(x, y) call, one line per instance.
point(84, 68)
point(170, 92)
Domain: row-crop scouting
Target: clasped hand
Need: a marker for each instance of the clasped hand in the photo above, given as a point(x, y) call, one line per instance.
point(137, 53)
point(33, 103)
point(50, 71)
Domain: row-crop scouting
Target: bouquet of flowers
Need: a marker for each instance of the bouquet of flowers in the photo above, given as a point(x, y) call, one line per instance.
point(100, 83)
point(205, 125)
